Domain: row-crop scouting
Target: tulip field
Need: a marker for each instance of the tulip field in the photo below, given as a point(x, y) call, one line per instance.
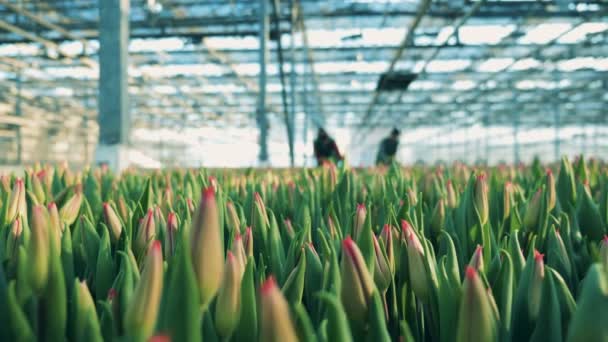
point(458, 253)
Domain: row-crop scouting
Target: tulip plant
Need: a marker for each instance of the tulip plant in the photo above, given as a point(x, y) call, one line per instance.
point(329, 254)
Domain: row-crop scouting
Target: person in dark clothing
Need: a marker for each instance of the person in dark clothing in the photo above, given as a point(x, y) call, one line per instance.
point(326, 148)
point(388, 148)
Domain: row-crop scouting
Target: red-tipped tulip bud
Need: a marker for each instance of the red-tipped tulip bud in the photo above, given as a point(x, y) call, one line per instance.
point(38, 249)
point(16, 202)
point(359, 220)
point(481, 198)
point(206, 246)
point(146, 232)
point(112, 222)
point(141, 314)
point(382, 270)
point(259, 202)
point(357, 284)
point(419, 277)
point(228, 305)
point(5, 181)
point(190, 205)
point(533, 211)
point(71, 208)
point(276, 323)
point(248, 242)
point(239, 251)
point(477, 259)
point(232, 218)
point(536, 285)
point(507, 200)
point(386, 236)
point(14, 236)
point(604, 252)
point(171, 238)
point(451, 195)
point(550, 187)
point(168, 199)
point(477, 319)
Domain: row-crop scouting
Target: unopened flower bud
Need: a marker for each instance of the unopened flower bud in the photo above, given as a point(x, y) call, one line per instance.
point(112, 221)
point(382, 270)
point(476, 319)
point(16, 202)
point(71, 208)
point(232, 218)
point(438, 218)
point(357, 284)
point(38, 249)
point(248, 242)
point(359, 220)
point(532, 214)
point(276, 322)
point(146, 232)
point(481, 198)
point(141, 314)
point(550, 187)
point(536, 285)
point(451, 195)
point(206, 247)
point(171, 238)
point(477, 259)
point(228, 305)
point(386, 236)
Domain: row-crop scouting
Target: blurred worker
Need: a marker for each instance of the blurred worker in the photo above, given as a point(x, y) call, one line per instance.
point(326, 148)
point(388, 148)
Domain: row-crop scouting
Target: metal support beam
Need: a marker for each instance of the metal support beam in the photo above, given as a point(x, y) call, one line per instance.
point(113, 100)
point(292, 75)
point(262, 119)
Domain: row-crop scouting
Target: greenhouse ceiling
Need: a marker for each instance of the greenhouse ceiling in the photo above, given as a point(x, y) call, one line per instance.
point(196, 63)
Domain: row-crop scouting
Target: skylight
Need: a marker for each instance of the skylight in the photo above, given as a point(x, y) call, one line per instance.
point(544, 33)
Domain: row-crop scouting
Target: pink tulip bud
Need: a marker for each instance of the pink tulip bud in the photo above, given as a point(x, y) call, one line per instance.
point(232, 218)
point(276, 324)
point(536, 285)
point(357, 283)
point(228, 305)
point(248, 242)
point(71, 208)
point(477, 259)
point(146, 233)
point(206, 247)
point(451, 195)
point(172, 227)
point(16, 202)
point(386, 236)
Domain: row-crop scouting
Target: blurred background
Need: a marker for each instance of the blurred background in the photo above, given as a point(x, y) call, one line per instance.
point(230, 83)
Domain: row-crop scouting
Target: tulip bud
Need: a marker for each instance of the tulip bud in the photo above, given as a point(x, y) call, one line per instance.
point(386, 236)
point(86, 321)
point(239, 251)
point(357, 286)
point(477, 321)
point(141, 314)
point(550, 187)
point(38, 249)
point(146, 232)
point(37, 188)
point(289, 229)
point(588, 322)
point(55, 227)
point(248, 242)
point(507, 200)
point(5, 182)
point(536, 285)
point(190, 205)
point(451, 195)
point(12, 241)
point(481, 198)
point(112, 222)
point(206, 247)
point(532, 214)
point(16, 202)
point(276, 324)
point(419, 277)
point(604, 252)
point(382, 270)
point(438, 218)
point(359, 220)
point(171, 237)
point(123, 210)
point(228, 305)
point(168, 198)
point(477, 259)
point(71, 208)
point(232, 218)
